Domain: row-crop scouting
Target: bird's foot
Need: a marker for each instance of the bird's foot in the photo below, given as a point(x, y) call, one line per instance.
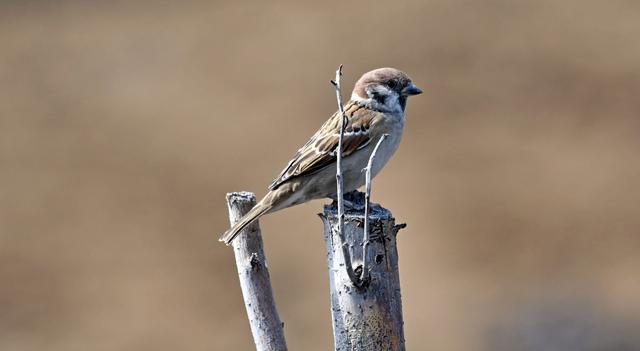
point(353, 200)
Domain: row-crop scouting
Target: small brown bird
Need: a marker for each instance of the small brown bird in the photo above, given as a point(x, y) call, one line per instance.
point(376, 107)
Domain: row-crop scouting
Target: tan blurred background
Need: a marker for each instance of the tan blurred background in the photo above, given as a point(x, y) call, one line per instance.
point(122, 126)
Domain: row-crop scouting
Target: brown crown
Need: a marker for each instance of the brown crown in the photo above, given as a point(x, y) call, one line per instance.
point(391, 77)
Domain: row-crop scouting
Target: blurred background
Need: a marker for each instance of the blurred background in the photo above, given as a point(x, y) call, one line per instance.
point(123, 125)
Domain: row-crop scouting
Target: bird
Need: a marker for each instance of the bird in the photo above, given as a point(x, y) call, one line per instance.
point(376, 107)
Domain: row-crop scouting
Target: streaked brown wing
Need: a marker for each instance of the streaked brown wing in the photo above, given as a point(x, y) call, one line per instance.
point(319, 151)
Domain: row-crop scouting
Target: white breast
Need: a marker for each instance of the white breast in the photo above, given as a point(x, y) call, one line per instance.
point(388, 146)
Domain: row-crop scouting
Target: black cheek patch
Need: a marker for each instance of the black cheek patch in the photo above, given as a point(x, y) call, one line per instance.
point(378, 97)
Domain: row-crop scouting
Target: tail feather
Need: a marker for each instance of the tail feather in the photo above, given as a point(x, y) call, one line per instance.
point(247, 219)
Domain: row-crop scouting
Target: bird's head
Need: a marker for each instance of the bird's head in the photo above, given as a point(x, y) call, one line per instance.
point(385, 90)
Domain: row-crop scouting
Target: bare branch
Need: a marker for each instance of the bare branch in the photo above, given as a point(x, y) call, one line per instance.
point(266, 327)
point(367, 198)
point(339, 182)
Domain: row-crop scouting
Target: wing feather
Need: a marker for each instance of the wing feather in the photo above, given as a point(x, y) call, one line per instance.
point(319, 151)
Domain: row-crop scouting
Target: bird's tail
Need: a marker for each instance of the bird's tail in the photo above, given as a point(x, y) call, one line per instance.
point(253, 215)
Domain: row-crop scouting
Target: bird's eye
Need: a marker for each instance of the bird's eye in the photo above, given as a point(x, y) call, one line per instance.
point(392, 84)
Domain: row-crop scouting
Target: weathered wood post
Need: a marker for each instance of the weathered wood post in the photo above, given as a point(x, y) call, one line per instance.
point(267, 330)
point(368, 317)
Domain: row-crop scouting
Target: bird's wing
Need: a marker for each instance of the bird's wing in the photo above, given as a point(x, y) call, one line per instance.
point(319, 151)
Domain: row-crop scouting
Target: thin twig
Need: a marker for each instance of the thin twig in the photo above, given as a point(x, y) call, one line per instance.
point(339, 182)
point(367, 199)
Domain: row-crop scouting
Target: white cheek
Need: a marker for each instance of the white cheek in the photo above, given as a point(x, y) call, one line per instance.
point(391, 102)
point(358, 98)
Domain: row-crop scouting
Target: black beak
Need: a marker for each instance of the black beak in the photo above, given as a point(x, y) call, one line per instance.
point(411, 89)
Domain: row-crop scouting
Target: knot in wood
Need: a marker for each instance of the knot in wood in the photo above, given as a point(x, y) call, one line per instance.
point(255, 261)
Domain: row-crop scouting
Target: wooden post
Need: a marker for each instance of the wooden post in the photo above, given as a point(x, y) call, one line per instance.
point(367, 317)
point(267, 330)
